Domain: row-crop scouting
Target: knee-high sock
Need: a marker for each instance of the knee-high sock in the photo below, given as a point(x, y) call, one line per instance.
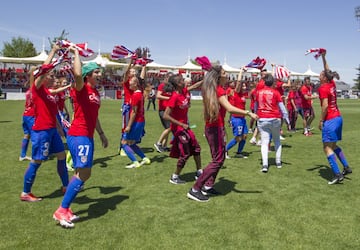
point(333, 164)
point(137, 150)
point(63, 172)
point(129, 152)
point(241, 146)
point(29, 176)
point(24, 147)
point(231, 144)
point(339, 153)
point(72, 190)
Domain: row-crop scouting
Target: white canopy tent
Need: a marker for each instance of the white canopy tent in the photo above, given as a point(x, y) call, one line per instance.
point(154, 65)
point(230, 69)
point(189, 66)
point(310, 73)
point(39, 59)
point(104, 62)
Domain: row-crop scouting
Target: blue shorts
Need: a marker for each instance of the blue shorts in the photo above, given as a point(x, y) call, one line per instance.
point(45, 143)
point(28, 122)
point(239, 126)
point(332, 130)
point(136, 132)
point(82, 150)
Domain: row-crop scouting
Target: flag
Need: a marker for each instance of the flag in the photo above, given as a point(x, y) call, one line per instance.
point(281, 72)
point(318, 51)
point(143, 61)
point(81, 47)
point(204, 62)
point(257, 63)
point(45, 68)
point(120, 51)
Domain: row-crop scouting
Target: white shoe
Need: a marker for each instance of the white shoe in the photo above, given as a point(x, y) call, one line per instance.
point(258, 143)
point(227, 156)
point(282, 138)
point(135, 164)
point(28, 158)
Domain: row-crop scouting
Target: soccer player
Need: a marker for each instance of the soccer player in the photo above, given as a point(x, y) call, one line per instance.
point(237, 95)
point(27, 123)
point(80, 137)
point(184, 143)
point(134, 129)
point(215, 107)
point(270, 109)
point(45, 138)
point(163, 97)
point(126, 108)
point(331, 123)
point(307, 108)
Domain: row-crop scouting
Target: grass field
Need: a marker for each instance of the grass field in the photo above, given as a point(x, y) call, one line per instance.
point(288, 208)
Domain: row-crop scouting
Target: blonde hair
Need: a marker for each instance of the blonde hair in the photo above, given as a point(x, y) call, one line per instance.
point(209, 94)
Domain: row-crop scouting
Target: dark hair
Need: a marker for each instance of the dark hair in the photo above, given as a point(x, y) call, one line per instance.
point(269, 80)
point(331, 74)
point(307, 78)
point(170, 86)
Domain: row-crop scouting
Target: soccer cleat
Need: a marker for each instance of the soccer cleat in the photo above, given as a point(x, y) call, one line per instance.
point(264, 169)
point(240, 155)
point(198, 173)
point(197, 196)
point(282, 138)
point(227, 156)
point(73, 217)
point(158, 147)
point(135, 164)
point(176, 181)
point(29, 197)
point(62, 215)
point(28, 158)
point(122, 152)
point(145, 161)
point(347, 170)
point(337, 179)
point(210, 191)
point(278, 165)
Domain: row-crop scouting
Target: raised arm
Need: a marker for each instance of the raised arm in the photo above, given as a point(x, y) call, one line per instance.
point(326, 66)
point(79, 81)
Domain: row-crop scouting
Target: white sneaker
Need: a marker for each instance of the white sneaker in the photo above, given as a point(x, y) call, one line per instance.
point(135, 164)
point(240, 155)
point(227, 156)
point(282, 138)
point(258, 143)
point(28, 158)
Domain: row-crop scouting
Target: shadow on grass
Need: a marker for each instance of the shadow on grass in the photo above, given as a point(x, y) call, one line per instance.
point(99, 206)
point(159, 158)
point(147, 150)
point(5, 121)
point(103, 161)
point(225, 186)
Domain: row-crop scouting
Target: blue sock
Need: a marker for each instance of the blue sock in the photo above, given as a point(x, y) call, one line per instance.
point(129, 152)
point(333, 164)
point(29, 176)
point(63, 172)
point(339, 153)
point(72, 190)
point(241, 146)
point(231, 144)
point(24, 147)
point(137, 150)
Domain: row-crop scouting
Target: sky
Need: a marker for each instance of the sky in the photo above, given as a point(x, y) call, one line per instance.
point(231, 31)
